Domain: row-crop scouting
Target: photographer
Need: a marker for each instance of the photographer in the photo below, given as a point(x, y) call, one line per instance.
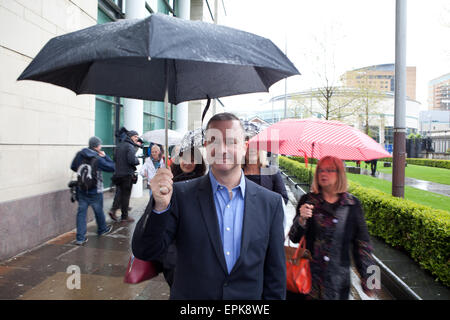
point(124, 177)
point(89, 164)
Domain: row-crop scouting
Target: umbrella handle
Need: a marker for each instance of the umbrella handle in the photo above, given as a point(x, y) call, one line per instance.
point(206, 108)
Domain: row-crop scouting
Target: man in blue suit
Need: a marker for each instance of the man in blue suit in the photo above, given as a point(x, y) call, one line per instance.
point(228, 230)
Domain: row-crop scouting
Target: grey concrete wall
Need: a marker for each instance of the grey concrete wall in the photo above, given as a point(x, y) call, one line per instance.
point(30, 221)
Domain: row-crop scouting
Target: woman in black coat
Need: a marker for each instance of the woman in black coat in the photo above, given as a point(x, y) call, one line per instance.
point(257, 169)
point(332, 221)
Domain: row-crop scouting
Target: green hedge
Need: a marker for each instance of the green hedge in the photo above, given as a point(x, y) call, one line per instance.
point(416, 161)
point(422, 231)
point(302, 160)
point(424, 162)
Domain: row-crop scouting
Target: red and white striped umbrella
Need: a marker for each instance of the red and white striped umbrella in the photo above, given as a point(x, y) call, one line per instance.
point(316, 138)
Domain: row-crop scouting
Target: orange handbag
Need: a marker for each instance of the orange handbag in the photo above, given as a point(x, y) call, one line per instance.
point(298, 272)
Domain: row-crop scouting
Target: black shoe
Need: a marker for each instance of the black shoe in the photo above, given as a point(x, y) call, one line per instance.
point(108, 230)
point(112, 215)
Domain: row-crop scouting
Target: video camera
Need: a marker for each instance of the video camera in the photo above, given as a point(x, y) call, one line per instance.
point(73, 190)
point(122, 133)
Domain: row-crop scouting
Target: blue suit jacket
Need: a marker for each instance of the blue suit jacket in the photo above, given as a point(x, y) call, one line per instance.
point(201, 272)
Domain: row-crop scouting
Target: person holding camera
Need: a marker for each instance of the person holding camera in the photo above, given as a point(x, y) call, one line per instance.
point(89, 164)
point(124, 177)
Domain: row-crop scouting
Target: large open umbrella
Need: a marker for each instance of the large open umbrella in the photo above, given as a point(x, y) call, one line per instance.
point(160, 58)
point(314, 138)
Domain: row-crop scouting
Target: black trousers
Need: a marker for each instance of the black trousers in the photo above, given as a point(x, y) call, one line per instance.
point(123, 193)
point(373, 167)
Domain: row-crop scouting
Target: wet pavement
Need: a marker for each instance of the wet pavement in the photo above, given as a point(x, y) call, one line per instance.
point(443, 189)
point(419, 280)
point(45, 272)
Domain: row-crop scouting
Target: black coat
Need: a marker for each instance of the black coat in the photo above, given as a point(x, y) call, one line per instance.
point(201, 272)
point(270, 178)
point(125, 158)
point(330, 236)
point(275, 183)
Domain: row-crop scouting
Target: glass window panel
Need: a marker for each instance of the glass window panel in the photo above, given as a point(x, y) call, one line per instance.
point(162, 7)
point(121, 118)
point(102, 17)
point(104, 122)
point(147, 106)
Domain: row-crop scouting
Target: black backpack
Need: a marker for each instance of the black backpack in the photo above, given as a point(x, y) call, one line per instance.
point(87, 173)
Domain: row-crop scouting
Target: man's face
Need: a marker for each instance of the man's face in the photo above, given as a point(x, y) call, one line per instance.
point(225, 145)
point(98, 148)
point(135, 139)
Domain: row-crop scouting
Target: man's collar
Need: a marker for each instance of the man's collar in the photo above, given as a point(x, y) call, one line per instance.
point(216, 185)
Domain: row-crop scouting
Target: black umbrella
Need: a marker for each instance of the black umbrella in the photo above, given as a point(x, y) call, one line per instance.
point(160, 58)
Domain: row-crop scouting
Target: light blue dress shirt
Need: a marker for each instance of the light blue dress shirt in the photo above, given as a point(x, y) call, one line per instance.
point(230, 215)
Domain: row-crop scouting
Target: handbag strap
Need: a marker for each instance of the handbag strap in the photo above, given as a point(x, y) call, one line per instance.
point(301, 246)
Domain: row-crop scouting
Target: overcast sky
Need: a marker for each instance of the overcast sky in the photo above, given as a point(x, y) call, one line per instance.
point(355, 33)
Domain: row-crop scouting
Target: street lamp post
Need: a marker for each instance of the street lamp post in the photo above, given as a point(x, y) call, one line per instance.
point(399, 156)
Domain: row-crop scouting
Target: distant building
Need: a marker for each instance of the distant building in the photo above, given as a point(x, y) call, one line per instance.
point(305, 104)
point(380, 77)
point(257, 120)
point(434, 120)
point(439, 93)
point(436, 125)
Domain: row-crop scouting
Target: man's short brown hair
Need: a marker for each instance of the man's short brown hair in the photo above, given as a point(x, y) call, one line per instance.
point(225, 116)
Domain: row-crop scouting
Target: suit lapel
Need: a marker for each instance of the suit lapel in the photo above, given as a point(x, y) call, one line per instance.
point(250, 214)
point(208, 209)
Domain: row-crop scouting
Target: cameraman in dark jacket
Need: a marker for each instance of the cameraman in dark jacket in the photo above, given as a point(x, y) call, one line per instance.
point(126, 162)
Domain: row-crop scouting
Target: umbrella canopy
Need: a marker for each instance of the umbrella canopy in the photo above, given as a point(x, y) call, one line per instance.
point(314, 138)
point(134, 58)
point(160, 58)
point(158, 136)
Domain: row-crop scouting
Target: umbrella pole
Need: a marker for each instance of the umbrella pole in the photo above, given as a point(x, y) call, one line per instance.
point(166, 116)
point(310, 167)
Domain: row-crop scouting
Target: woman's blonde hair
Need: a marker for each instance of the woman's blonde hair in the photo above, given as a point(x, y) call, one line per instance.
point(341, 183)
